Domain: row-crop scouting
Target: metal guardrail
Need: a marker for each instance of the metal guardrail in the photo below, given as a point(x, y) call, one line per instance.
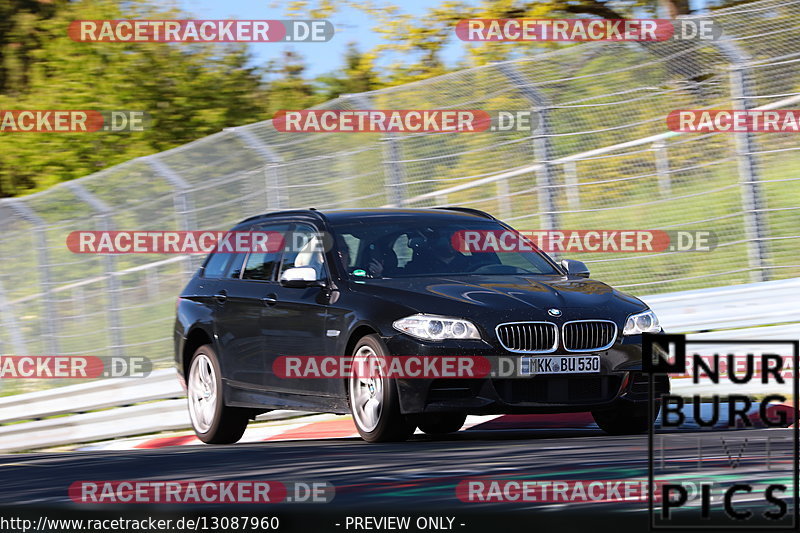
point(114, 408)
point(739, 306)
point(127, 421)
point(100, 425)
point(99, 410)
point(86, 397)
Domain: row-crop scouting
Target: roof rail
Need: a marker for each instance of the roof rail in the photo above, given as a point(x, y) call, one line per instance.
point(309, 211)
point(469, 210)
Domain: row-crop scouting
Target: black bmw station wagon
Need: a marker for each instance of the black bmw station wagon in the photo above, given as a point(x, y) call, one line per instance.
point(390, 283)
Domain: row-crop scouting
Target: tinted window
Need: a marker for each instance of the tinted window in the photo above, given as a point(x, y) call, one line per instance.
point(234, 269)
point(413, 246)
point(402, 250)
point(348, 247)
point(304, 250)
point(262, 266)
point(216, 265)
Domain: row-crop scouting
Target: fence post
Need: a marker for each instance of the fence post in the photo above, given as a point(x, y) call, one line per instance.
point(503, 198)
point(275, 179)
point(753, 202)
point(395, 178)
point(104, 223)
point(182, 202)
point(542, 145)
point(49, 312)
point(79, 297)
point(10, 324)
point(662, 167)
point(395, 182)
point(572, 191)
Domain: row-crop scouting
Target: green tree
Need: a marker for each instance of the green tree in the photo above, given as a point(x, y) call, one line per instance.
point(189, 90)
point(288, 88)
point(19, 37)
point(357, 76)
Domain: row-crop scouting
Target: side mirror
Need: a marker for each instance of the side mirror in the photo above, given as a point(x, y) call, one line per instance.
point(301, 277)
point(575, 268)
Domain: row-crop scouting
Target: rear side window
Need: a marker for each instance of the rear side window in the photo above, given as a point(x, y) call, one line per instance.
point(262, 266)
point(216, 265)
point(234, 269)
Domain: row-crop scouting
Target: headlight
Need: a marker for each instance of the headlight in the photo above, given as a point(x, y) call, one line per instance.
point(432, 327)
point(646, 322)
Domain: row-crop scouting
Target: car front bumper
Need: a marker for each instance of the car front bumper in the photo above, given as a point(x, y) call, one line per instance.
point(620, 378)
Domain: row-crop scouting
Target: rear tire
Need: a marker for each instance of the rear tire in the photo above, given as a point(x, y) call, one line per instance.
point(441, 423)
point(212, 420)
point(625, 418)
point(374, 400)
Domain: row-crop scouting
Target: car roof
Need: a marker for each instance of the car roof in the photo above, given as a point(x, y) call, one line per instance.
point(338, 215)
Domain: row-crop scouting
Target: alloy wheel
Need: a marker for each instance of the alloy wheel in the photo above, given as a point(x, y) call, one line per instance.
point(366, 389)
point(202, 393)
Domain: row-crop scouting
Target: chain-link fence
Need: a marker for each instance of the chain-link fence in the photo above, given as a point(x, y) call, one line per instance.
point(601, 158)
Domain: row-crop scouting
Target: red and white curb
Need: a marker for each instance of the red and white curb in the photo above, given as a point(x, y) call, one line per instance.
point(312, 427)
point(328, 426)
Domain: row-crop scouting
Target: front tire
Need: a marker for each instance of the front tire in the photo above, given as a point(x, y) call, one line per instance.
point(625, 418)
point(212, 420)
point(373, 397)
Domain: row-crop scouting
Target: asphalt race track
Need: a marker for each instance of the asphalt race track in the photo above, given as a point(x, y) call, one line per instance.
point(415, 477)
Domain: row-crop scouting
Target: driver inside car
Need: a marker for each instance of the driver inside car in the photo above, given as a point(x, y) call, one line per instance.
point(436, 255)
point(380, 262)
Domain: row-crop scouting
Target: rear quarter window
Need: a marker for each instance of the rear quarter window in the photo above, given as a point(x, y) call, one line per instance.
point(216, 265)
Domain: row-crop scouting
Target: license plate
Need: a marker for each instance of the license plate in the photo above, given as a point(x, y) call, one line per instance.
point(560, 364)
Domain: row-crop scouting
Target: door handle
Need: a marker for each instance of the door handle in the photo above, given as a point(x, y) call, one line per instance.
point(221, 296)
point(270, 299)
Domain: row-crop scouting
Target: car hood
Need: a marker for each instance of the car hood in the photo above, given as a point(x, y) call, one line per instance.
point(507, 297)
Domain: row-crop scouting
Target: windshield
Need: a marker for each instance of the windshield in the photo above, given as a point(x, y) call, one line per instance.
point(424, 246)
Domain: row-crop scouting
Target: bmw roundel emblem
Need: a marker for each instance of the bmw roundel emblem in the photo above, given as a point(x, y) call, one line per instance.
point(554, 312)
